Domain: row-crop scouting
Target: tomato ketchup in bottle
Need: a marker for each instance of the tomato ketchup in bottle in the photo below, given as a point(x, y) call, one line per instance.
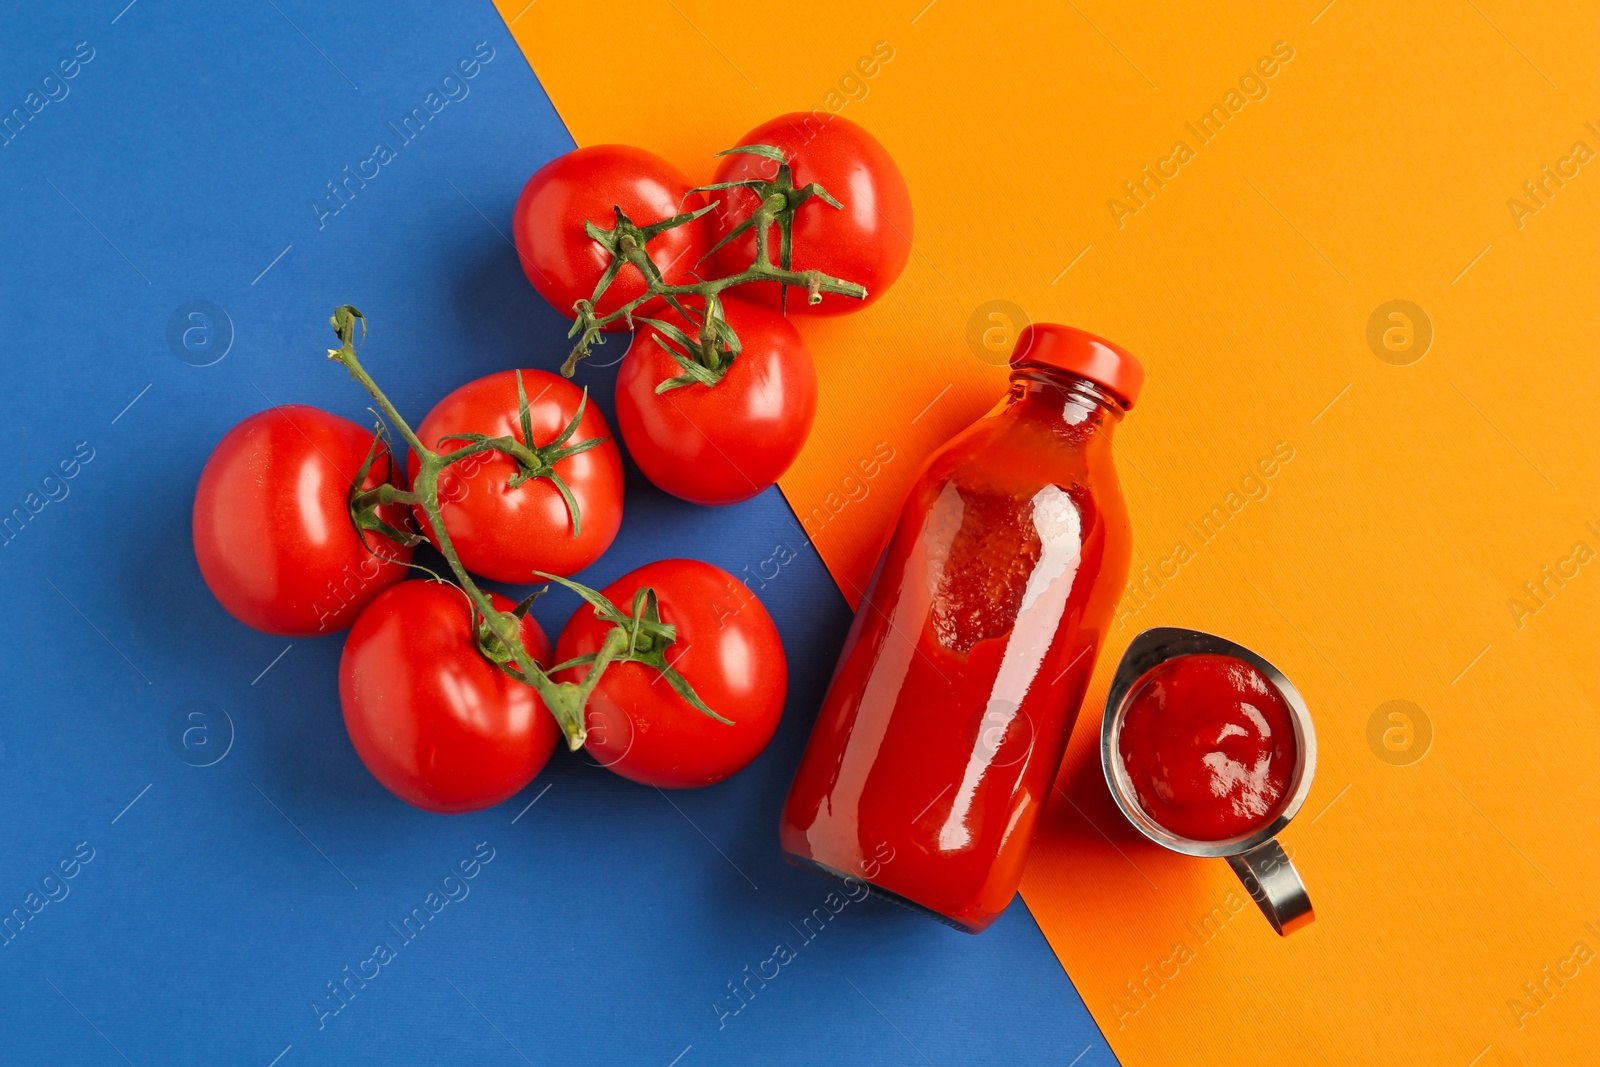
point(959, 682)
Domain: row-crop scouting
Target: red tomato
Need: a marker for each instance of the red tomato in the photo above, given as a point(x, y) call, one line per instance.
point(723, 443)
point(272, 528)
point(434, 721)
point(728, 650)
point(868, 241)
point(564, 263)
point(507, 534)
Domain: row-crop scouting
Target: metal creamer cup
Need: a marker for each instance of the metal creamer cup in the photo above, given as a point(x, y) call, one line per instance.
point(1256, 857)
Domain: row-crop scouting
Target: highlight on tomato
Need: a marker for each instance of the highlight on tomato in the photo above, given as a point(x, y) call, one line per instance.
point(579, 207)
point(430, 713)
point(849, 216)
point(709, 422)
point(550, 501)
point(274, 530)
point(702, 705)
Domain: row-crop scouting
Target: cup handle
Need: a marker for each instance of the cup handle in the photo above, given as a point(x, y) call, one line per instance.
point(1274, 885)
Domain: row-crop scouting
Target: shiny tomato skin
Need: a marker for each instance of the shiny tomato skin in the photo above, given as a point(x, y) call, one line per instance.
point(272, 528)
point(435, 722)
point(867, 242)
point(724, 443)
point(507, 534)
point(728, 649)
point(564, 263)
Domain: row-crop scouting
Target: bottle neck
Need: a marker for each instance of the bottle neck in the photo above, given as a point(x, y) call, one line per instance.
point(1074, 399)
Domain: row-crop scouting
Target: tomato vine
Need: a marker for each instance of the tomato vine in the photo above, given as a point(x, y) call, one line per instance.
point(640, 638)
point(705, 358)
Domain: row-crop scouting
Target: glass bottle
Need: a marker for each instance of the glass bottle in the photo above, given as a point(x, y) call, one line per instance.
point(961, 677)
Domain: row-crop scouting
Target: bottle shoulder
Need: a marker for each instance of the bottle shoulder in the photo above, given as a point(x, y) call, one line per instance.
point(1017, 449)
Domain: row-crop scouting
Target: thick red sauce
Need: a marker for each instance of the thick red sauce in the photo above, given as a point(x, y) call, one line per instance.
point(935, 749)
point(1208, 744)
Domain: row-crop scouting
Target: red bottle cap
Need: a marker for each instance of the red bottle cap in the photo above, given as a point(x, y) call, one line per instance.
point(1049, 344)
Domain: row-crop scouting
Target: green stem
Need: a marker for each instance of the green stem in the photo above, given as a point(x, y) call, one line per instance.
point(564, 699)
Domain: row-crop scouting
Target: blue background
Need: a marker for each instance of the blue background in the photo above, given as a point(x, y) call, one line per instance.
point(181, 164)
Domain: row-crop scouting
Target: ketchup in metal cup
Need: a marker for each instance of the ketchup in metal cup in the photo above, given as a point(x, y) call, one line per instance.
point(1208, 744)
point(958, 685)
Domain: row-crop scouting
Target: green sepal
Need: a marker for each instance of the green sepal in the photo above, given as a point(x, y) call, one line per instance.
point(681, 686)
point(574, 450)
point(813, 189)
point(524, 416)
point(657, 228)
point(586, 660)
point(603, 607)
point(670, 330)
point(521, 610)
point(344, 322)
point(605, 281)
point(572, 505)
point(693, 373)
point(717, 187)
point(765, 151)
point(729, 236)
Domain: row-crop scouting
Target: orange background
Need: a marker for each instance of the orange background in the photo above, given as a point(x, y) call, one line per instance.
point(1384, 558)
